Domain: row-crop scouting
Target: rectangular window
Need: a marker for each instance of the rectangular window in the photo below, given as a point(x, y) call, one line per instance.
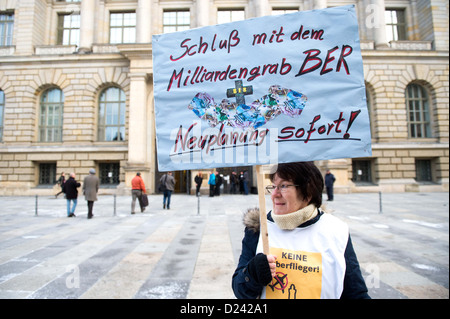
point(278, 11)
point(424, 170)
point(47, 173)
point(109, 173)
point(176, 21)
point(225, 15)
point(122, 27)
point(69, 29)
point(395, 24)
point(362, 171)
point(51, 116)
point(6, 28)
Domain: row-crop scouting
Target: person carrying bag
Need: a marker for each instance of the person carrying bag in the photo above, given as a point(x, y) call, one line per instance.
point(138, 191)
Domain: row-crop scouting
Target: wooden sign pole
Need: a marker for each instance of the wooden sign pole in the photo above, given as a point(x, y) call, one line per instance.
point(262, 209)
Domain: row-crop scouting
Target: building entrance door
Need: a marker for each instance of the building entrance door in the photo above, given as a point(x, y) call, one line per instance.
point(227, 171)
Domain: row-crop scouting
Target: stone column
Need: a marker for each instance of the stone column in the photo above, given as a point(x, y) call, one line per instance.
point(379, 25)
point(319, 4)
point(261, 7)
point(144, 21)
point(137, 131)
point(202, 7)
point(87, 25)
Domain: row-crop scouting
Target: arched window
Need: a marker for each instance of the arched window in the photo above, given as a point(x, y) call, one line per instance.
point(417, 104)
point(2, 112)
point(111, 115)
point(51, 116)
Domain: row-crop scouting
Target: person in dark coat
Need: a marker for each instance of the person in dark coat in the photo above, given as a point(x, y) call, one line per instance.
point(329, 181)
point(218, 184)
point(71, 191)
point(241, 183)
point(198, 182)
point(245, 182)
point(234, 180)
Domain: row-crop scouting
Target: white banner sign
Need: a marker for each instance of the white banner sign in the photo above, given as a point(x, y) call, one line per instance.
point(266, 90)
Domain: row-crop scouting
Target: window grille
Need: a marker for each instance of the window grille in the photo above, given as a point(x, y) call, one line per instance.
point(109, 173)
point(122, 27)
point(47, 173)
point(362, 171)
point(418, 111)
point(176, 21)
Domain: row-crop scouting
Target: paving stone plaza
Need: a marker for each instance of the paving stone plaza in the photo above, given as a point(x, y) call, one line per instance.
point(191, 250)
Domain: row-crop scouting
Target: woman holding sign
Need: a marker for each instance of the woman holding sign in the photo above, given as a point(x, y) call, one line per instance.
point(311, 253)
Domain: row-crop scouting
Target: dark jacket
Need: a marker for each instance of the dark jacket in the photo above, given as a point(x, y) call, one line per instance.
point(70, 188)
point(329, 180)
point(61, 180)
point(198, 180)
point(246, 287)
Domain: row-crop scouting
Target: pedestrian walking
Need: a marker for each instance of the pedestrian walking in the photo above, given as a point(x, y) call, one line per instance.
point(311, 253)
point(61, 180)
point(137, 189)
point(90, 189)
point(198, 183)
point(71, 191)
point(212, 184)
point(329, 182)
point(169, 183)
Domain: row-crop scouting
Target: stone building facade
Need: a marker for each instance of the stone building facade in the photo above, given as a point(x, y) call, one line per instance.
point(76, 89)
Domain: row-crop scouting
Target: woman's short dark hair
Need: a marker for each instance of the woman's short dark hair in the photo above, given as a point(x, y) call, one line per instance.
point(306, 175)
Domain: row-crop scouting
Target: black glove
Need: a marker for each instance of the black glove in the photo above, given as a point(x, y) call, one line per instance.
point(259, 269)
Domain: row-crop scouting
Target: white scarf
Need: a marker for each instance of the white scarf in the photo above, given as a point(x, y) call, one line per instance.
point(295, 219)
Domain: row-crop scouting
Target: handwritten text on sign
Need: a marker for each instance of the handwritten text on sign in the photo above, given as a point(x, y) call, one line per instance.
point(261, 91)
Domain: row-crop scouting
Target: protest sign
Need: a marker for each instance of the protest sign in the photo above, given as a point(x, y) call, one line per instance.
point(265, 90)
